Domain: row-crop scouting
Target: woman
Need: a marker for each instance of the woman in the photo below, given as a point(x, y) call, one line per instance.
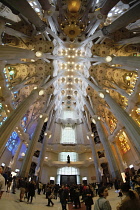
point(102, 203)
point(131, 200)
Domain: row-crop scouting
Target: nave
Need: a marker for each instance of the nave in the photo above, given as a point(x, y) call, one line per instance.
point(10, 201)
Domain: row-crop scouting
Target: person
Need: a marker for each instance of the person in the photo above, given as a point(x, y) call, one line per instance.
point(88, 198)
point(9, 182)
point(2, 182)
point(102, 203)
point(131, 200)
point(63, 194)
point(76, 194)
point(49, 196)
point(22, 188)
point(31, 191)
point(14, 185)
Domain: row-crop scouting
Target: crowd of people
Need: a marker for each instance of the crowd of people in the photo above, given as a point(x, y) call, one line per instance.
point(75, 194)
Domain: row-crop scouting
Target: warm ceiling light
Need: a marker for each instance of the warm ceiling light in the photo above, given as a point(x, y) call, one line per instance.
point(108, 59)
point(127, 78)
point(46, 119)
point(41, 92)
point(74, 5)
point(38, 54)
point(101, 95)
point(92, 135)
point(93, 120)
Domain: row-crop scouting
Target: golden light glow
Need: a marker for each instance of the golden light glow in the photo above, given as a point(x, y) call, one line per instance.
point(74, 6)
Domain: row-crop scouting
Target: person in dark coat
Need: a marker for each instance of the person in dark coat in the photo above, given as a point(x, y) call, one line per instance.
point(31, 191)
point(76, 195)
point(88, 194)
point(49, 196)
point(63, 194)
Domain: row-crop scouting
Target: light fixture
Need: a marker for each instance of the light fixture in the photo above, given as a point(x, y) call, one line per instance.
point(93, 120)
point(108, 59)
point(41, 92)
point(127, 78)
point(39, 54)
point(92, 135)
point(40, 116)
point(46, 119)
point(101, 95)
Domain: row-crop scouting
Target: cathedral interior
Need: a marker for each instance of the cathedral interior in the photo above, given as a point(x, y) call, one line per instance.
point(70, 85)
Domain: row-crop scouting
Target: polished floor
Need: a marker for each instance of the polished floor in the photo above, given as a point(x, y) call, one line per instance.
point(10, 201)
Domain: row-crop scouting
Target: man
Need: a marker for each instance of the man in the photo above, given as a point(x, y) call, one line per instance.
point(2, 182)
point(63, 194)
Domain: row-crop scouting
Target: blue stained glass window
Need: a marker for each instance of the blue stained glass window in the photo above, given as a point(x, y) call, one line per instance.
point(14, 135)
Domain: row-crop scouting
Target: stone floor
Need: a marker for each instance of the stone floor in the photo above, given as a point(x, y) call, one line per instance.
point(10, 201)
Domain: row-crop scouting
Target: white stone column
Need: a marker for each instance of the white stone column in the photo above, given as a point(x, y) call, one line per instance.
point(25, 168)
point(121, 115)
point(14, 53)
point(40, 163)
point(28, 157)
point(15, 159)
point(120, 159)
point(114, 170)
point(93, 149)
point(96, 159)
point(14, 118)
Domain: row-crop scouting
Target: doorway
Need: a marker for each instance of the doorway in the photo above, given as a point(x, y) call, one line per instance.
point(68, 179)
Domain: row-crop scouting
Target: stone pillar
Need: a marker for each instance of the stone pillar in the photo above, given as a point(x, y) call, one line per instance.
point(94, 152)
point(134, 40)
point(121, 115)
point(114, 170)
point(13, 53)
point(28, 157)
point(120, 159)
point(108, 5)
point(25, 168)
point(15, 159)
point(96, 159)
point(25, 9)
point(40, 163)
point(131, 61)
point(14, 118)
point(129, 16)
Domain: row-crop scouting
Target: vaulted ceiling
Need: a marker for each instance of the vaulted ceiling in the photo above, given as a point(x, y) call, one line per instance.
point(66, 37)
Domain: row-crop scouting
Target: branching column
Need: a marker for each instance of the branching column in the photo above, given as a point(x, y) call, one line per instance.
point(40, 163)
point(114, 170)
point(121, 115)
point(28, 157)
point(130, 16)
point(13, 53)
point(25, 9)
point(11, 122)
point(15, 159)
point(131, 126)
point(24, 171)
point(94, 152)
point(108, 150)
point(96, 161)
point(120, 159)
